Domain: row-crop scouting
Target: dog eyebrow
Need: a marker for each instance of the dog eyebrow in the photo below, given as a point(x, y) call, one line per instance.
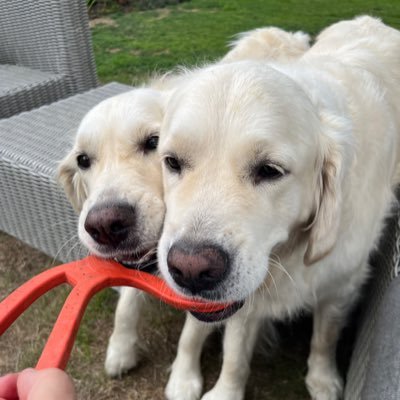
point(82, 150)
point(178, 147)
point(264, 151)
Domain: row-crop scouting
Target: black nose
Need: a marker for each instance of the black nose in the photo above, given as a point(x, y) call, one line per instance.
point(197, 267)
point(110, 224)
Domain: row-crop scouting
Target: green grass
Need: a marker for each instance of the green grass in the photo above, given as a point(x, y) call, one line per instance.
point(144, 42)
point(140, 43)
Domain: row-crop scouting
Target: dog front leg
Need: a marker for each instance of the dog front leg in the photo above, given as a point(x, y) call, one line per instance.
point(241, 333)
point(122, 346)
point(186, 381)
point(323, 380)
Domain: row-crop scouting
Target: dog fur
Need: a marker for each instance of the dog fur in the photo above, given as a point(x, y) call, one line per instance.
point(112, 134)
point(289, 167)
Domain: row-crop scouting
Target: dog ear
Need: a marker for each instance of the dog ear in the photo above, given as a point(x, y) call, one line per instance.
point(71, 181)
point(335, 152)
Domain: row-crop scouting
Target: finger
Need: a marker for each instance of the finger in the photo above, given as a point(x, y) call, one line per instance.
point(48, 384)
point(8, 387)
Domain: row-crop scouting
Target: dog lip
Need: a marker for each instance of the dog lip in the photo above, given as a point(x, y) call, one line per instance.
point(144, 261)
point(219, 315)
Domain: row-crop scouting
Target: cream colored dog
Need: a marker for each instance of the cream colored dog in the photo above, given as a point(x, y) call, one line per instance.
point(278, 178)
point(112, 177)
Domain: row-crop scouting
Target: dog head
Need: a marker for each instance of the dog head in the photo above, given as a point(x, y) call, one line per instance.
point(112, 177)
point(248, 160)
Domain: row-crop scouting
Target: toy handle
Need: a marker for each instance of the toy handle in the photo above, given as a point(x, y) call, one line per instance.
point(87, 277)
point(58, 348)
point(19, 300)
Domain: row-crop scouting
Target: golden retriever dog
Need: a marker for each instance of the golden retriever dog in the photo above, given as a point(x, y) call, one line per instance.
point(278, 178)
point(112, 177)
point(265, 44)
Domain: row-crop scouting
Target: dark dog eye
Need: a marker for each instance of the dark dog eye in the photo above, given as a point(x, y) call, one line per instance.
point(173, 164)
point(83, 161)
point(267, 172)
point(150, 144)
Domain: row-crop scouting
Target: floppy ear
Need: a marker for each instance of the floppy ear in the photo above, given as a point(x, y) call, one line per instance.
point(335, 154)
point(71, 181)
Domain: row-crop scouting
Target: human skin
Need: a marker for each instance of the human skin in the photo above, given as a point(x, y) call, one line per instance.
point(29, 384)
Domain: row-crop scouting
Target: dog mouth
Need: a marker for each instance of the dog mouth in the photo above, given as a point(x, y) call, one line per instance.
point(217, 316)
point(145, 260)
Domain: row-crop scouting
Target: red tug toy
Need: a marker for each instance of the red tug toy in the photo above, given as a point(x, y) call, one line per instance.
point(87, 277)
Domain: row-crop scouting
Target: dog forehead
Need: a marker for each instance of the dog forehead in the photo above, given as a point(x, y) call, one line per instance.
point(237, 103)
point(122, 116)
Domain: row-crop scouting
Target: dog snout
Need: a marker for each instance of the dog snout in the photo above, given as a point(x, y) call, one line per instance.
point(197, 267)
point(110, 225)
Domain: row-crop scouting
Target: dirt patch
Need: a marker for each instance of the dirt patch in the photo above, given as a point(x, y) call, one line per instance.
point(114, 51)
point(197, 10)
point(276, 376)
point(162, 14)
point(162, 52)
point(102, 21)
point(135, 52)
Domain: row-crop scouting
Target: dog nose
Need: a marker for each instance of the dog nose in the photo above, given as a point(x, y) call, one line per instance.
point(110, 224)
point(197, 268)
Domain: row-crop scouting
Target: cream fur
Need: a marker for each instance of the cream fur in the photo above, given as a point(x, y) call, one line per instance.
point(331, 120)
point(110, 134)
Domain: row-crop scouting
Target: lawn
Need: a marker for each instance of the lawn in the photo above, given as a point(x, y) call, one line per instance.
point(140, 43)
point(129, 47)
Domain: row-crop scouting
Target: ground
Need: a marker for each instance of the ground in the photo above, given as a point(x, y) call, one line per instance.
point(129, 47)
point(277, 371)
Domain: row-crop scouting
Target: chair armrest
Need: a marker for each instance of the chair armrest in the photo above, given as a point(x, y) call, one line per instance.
point(383, 372)
point(376, 302)
point(50, 36)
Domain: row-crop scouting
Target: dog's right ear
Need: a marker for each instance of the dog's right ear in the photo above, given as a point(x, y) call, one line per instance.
point(69, 178)
point(325, 226)
point(336, 151)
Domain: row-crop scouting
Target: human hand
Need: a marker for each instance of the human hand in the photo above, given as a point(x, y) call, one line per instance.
point(47, 384)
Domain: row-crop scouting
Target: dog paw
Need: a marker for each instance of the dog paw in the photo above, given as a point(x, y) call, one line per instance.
point(324, 385)
point(220, 392)
point(121, 355)
point(184, 385)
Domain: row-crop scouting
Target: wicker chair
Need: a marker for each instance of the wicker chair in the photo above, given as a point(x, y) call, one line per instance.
point(45, 46)
point(45, 53)
point(374, 372)
point(33, 207)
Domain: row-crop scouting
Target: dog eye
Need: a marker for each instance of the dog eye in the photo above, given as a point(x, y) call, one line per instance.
point(83, 161)
point(150, 144)
point(267, 172)
point(173, 164)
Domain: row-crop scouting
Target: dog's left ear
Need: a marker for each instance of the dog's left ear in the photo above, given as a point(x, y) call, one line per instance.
point(70, 180)
point(335, 156)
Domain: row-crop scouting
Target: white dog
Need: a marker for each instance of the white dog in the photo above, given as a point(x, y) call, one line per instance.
point(112, 177)
point(278, 178)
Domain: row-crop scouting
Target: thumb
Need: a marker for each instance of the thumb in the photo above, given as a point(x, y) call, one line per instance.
point(48, 384)
point(8, 387)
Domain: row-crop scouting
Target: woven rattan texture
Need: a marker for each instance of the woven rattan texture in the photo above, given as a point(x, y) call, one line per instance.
point(32, 206)
point(384, 269)
point(22, 89)
point(48, 36)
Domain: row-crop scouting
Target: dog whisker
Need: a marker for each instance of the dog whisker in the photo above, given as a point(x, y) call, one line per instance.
point(265, 287)
point(277, 264)
point(66, 243)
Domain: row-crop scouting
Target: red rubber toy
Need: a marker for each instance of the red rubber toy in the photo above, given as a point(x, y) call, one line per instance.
point(87, 277)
